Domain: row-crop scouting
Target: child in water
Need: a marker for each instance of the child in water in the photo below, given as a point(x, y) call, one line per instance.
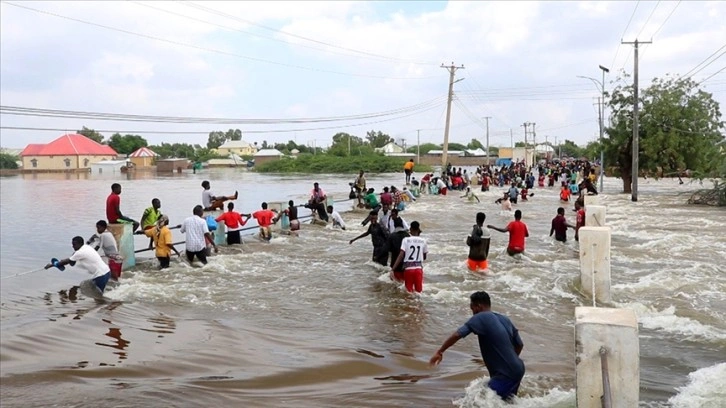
point(470, 195)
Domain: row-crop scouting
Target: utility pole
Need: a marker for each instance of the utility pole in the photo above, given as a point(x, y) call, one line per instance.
point(511, 139)
point(602, 129)
point(534, 142)
point(636, 102)
point(525, 125)
point(452, 71)
point(348, 144)
point(487, 119)
point(418, 146)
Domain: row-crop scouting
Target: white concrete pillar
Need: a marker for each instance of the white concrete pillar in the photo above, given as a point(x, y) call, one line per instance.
point(125, 243)
point(595, 262)
point(591, 200)
point(615, 330)
point(595, 216)
point(279, 207)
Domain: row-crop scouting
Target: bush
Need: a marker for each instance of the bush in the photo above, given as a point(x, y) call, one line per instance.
point(323, 163)
point(8, 161)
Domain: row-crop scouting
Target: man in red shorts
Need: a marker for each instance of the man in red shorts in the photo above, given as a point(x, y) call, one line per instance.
point(413, 254)
point(517, 233)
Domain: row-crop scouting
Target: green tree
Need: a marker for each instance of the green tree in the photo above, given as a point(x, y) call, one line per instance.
point(340, 145)
point(493, 150)
point(679, 128)
point(456, 146)
point(233, 134)
point(570, 149)
point(216, 139)
point(378, 139)
point(175, 150)
point(8, 161)
point(519, 144)
point(126, 144)
point(475, 144)
point(424, 148)
point(91, 134)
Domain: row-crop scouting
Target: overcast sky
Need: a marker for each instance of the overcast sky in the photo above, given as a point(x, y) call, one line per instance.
point(280, 60)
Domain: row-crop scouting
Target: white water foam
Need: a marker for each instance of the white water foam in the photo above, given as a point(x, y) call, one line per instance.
point(667, 321)
point(705, 389)
point(479, 395)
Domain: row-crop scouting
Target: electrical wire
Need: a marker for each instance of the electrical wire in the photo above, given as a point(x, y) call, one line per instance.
point(612, 64)
point(200, 48)
point(712, 75)
point(370, 54)
point(26, 111)
point(693, 71)
point(648, 19)
point(666, 19)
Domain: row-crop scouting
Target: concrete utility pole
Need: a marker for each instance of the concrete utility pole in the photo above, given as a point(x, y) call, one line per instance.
point(511, 139)
point(534, 143)
point(526, 126)
point(418, 146)
point(636, 103)
point(602, 130)
point(487, 119)
point(452, 71)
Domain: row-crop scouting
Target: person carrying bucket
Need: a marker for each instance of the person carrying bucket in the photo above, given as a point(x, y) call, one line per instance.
point(86, 258)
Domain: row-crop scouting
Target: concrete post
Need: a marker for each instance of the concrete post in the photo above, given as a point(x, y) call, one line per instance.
point(615, 330)
point(125, 242)
point(595, 216)
point(595, 262)
point(279, 207)
point(591, 200)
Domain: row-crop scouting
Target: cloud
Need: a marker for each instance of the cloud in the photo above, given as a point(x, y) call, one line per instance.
point(521, 62)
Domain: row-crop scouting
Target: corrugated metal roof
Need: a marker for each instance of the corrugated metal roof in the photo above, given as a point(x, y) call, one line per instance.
point(69, 145)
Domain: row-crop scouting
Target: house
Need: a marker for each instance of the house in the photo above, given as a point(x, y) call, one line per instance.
point(267, 155)
point(232, 161)
point(238, 147)
point(171, 165)
point(109, 167)
point(440, 153)
point(143, 157)
point(71, 152)
point(392, 149)
point(475, 153)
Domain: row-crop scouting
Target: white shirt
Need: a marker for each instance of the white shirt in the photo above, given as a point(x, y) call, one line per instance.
point(415, 249)
point(87, 258)
point(440, 184)
point(383, 218)
point(194, 229)
point(337, 219)
point(207, 198)
point(108, 244)
point(390, 226)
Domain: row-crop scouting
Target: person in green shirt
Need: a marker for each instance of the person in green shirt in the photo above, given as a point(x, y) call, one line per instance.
point(371, 201)
point(149, 218)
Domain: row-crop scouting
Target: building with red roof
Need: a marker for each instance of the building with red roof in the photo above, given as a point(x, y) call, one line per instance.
point(71, 152)
point(143, 157)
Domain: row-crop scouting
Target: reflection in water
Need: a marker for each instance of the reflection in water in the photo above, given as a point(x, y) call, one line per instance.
point(121, 343)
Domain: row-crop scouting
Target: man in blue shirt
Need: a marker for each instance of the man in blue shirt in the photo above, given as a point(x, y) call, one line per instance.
point(499, 343)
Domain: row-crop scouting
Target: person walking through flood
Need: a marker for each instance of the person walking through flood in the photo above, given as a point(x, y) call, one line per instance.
point(478, 242)
point(113, 208)
point(412, 255)
point(212, 202)
point(560, 225)
point(233, 221)
point(394, 247)
point(163, 241)
point(517, 233)
point(379, 237)
point(499, 343)
point(197, 235)
point(104, 239)
point(317, 202)
point(86, 258)
point(408, 170)
point(264, 220)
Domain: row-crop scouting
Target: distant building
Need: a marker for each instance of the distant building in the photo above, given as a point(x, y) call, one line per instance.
point(109, 167)
point(266, 155)
point(392, 149)
point(71, 152)
point(475, 153)
point(439, 153)
point(171, 165)
point(238, 147)
point(143, 157)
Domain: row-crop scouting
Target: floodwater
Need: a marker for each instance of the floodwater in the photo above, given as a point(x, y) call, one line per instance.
point(309, 321)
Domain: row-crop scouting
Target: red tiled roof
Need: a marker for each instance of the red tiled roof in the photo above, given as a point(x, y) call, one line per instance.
point(69, 145)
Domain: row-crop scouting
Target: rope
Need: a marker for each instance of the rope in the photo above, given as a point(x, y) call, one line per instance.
point(23, 273)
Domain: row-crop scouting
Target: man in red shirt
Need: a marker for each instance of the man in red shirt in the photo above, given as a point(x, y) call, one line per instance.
point(517, 233)
point(233, 221)
point(113, 208)
point(264, 220)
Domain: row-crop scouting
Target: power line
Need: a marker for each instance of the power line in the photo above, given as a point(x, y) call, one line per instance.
point(223, 14)
point(375, 58)
point(694, 70)
point(197, 47)
point(666, 19)
point(712, 75)
point(243, 131)
point(26, 111)
point(612, 64)
point(648, 19)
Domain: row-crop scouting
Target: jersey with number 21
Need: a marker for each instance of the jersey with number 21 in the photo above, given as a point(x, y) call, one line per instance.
point(415, 251)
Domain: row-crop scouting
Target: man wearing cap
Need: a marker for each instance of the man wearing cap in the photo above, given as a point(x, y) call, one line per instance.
point(499, 343)
point(412, 254)
point(379, 237)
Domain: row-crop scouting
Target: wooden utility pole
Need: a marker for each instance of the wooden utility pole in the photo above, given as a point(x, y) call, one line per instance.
point(487, 119)
point(418, 146)
point(452, 71)
point(636, 103)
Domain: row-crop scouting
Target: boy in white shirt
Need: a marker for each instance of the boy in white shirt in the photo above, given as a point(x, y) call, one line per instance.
point(413, 253)
point(337, 219)
point(85, 257)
